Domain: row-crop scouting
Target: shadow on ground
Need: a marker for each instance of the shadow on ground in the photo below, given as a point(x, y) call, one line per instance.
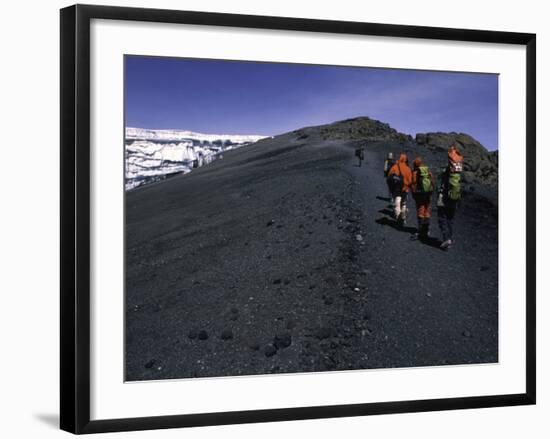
point(393, 224)
point(389, 221)
point(386, 211)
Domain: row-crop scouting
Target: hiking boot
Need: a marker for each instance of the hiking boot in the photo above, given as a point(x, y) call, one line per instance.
point(445, 244)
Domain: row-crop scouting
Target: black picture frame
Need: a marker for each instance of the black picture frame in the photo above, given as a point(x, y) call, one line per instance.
point(75, 217)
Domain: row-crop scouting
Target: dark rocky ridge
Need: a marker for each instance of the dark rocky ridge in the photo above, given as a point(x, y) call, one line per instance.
point(480, 165)
point(358, 128)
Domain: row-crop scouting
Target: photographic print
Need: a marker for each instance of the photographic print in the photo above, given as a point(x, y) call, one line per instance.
point(297, 218)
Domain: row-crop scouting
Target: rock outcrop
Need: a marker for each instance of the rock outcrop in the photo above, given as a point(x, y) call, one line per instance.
point(358, 128)
point(480, 165)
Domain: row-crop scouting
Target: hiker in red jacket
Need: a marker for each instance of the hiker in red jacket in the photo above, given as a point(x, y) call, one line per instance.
point(400, 179)
point(423, 184)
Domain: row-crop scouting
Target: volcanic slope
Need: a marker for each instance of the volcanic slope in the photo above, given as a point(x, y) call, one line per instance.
point(282, 257)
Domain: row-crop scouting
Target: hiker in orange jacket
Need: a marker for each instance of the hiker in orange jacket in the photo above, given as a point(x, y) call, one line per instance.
point(449, 195)
point(423, 184)
point(400, 178)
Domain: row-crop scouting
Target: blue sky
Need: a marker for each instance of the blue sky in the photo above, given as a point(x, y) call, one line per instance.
point(233, 97)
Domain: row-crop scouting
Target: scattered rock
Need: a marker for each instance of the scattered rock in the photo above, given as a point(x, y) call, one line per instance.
point(270, 223)
point(323, 333)
point(359, 238)
point(227, 334)
point(331, 280)
point(270, 350)
point(149, 364)
point(282, 341)
point(203, 335)
point(276, 281)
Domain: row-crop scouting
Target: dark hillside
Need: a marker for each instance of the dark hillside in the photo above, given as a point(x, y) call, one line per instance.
point(281, 258)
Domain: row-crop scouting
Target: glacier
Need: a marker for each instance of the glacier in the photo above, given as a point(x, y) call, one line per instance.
point(154, 155)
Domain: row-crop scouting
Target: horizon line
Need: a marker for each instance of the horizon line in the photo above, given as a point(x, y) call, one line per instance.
point(413, 136)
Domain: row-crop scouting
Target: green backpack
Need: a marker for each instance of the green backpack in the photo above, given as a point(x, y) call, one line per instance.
point(424, 180)
point(455, 191)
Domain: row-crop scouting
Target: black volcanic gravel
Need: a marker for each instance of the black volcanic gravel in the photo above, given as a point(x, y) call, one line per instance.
point(215, 288)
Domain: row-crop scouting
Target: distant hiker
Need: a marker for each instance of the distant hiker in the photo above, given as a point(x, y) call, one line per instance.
point(423, 185)
point(388, 163)
point(400, 179)
point(360, 154)
point(450, 193)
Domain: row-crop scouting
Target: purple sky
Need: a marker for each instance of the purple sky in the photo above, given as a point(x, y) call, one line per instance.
point(232, 97)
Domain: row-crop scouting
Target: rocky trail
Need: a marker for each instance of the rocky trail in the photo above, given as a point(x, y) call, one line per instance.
point(282, 258)
point(429, 307)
